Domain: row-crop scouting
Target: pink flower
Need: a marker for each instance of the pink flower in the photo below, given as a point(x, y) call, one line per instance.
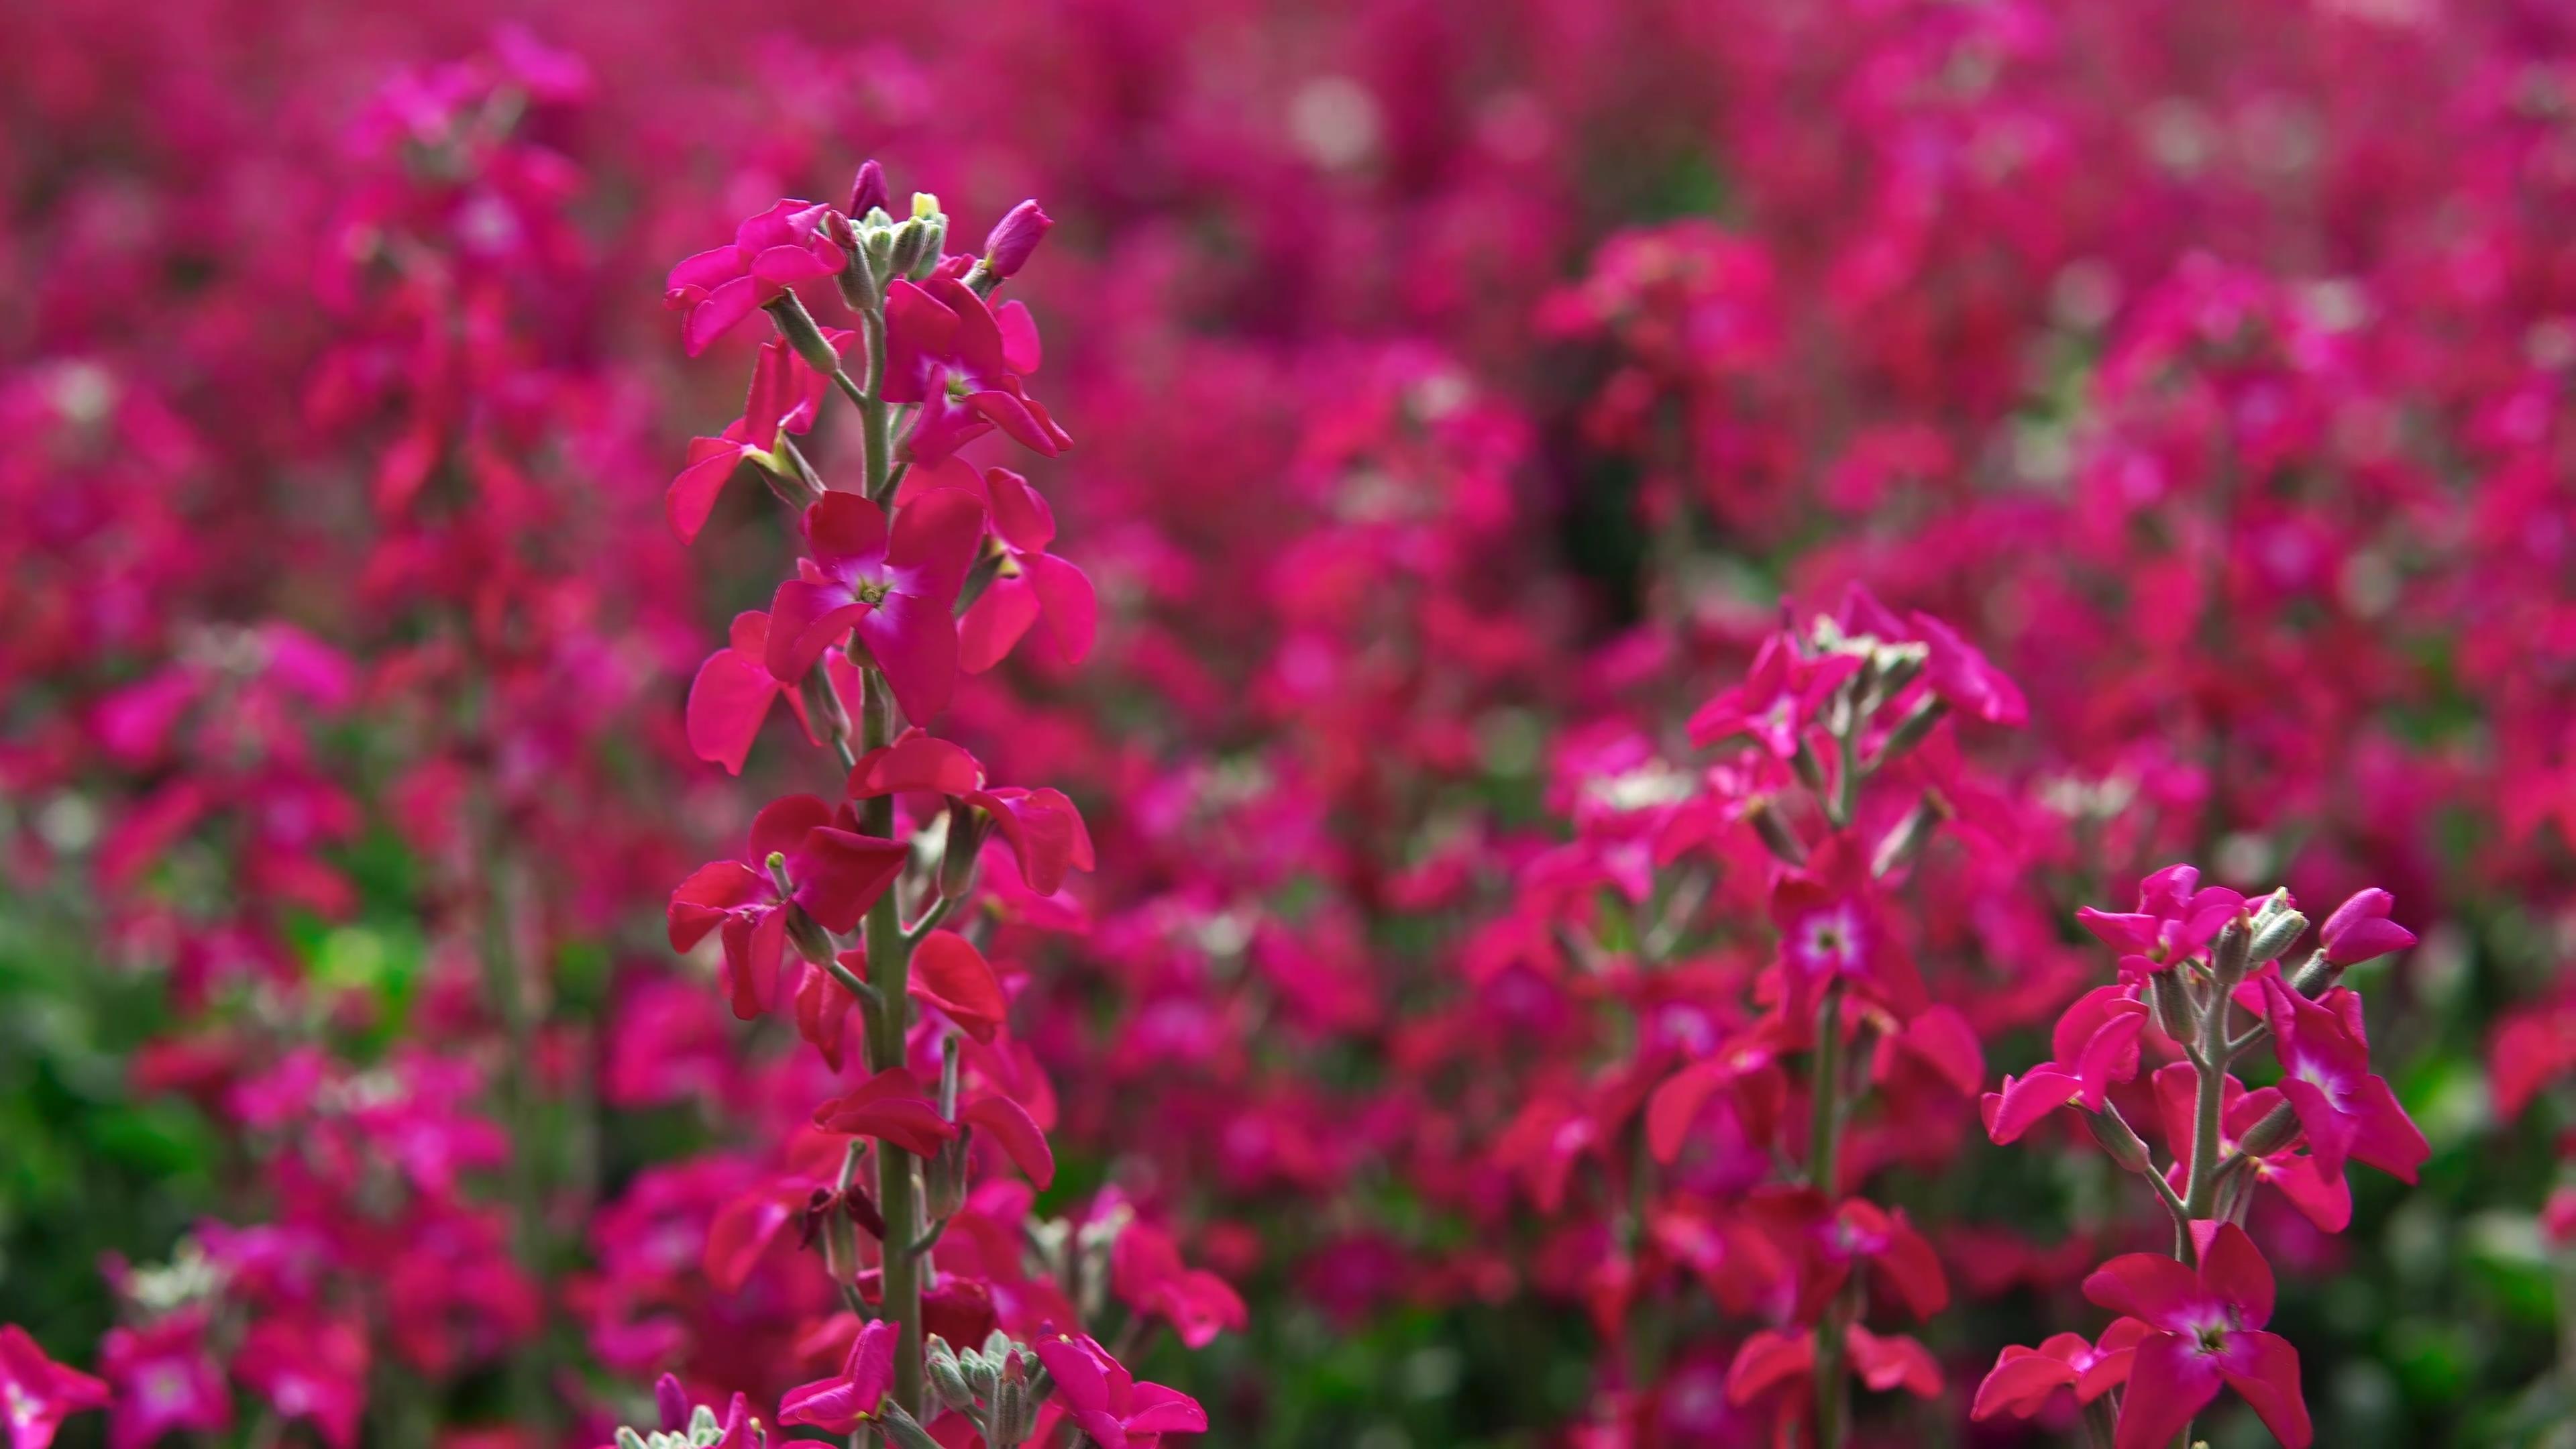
point(1147, 1271)
point(785, 394)
point(2360, 929)
point(1831, 928)
point(2022, 1379)
point(2346, 1109)
point(1779, 695)
point(841, 1403)
point(1033, 584)
point(1044, 831)
point(771, 252)
point(2095, 1047)
point(891, 1106)
point(1102, 1399)
point(2173, 919)
point(897, 587)
point(164, 1379)
point(2206, 1332)
point(309, 1368)
point(729, 699)
point(836, 874)
point(962, 362)
point(2325, 1200)
point(36, 1393)
point(1008, 245)
point(1775, 1358)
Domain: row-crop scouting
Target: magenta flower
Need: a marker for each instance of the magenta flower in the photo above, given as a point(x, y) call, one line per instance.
point(2206, 1333)
point(164, 1380)
point(962, 362)
point(1097, 1393)
point(1033, 585)
point(2173, 920)
point(2346, 1109)
point(841, 1403)
point(1831, 927)
point(836, 873)
point(38, 1393)
point(309, 1368)
point(891, 1106)
point(2325, 1199)
point(2023, 1379)
point(1008, 245)
point(783, 399)
point(897, 588)
point(1779, 695)
point(730, 698)
point(1044, 831)
point(2360, 929)
point(2094, 1047)
point(771, 252)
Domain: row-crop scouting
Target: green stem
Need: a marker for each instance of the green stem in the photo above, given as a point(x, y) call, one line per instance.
point(889, 967)
point(1824, 1146)
point(2201, 1196)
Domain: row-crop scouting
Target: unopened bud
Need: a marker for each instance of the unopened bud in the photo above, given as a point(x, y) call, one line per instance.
point(1910, 731)
point(1809, 770)
point(2119, 1140)
point(2275, 934)
point(964, 844)
point(808, 936)
point(2173, 1005)
point(998, 1346)
point(911, 241)
point(2317, 975)
point(1911, 834)
point(939, 1361)
point(2278, 1127)
point(945, 1176)
point(868, 191)
point(2228, 954)
point(1776, 835)
point(671, 1401)
point(933, 245)
point(799, 328)
point(901, 1430)
point(629, 1439)
point(1014, 237)
point(1014, 1409)
point(981, 1376)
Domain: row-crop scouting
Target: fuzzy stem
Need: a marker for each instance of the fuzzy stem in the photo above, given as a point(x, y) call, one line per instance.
point(1824, 1146)
point(889, 958)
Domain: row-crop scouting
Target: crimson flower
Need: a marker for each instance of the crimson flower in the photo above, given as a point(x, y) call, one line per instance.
point(729, 699)
point(841, 1403)
point(37, 1393)
point(2346, 1108)
point(2173, 920)
point(1097, 1393)
point(1008, 245)
point(897, 587)
point(1830, 1242)
point(891, 1106)
point(1778, 696)
point(770, 253)
point(2022, 1379)
point(2094, 1046)
point(309, 1368)
point(961, 362)
point(2206, 1331)
point(784, 396)
point(1775, 1358)
point(1831, 928)
point(1042, 828)
point(836, 874)
point(1033, 584)
point(1147, 1271)
point(2324, 1198)
point(2360, 929)
point(164, 1379)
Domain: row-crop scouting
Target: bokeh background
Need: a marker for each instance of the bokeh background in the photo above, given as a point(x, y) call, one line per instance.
point(1460, 389)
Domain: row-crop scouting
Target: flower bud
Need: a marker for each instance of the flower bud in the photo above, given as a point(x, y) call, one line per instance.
point(998, 1346)
point(980, 1375)
point(2229, 953)
point(628, 1438)
point(934, 244)
point(808, 936)
point(2172, 1005)
point(1775, 832)
point(911, 243)
point(1014, 237)
point(965, 841)
point(2278, 1127)
point(1911, 834)
point(901, 1430)
point(868, 191)
point(671, 1401)
point(944, 1176)
point(2119, 1140)
point(1909, 731)
point(939, 1362)
point(1014, 1410)
point(1809, 770)
point(2275, 934)
point(799, 328)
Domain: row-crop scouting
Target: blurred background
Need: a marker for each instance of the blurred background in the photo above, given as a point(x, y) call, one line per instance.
point(1460, 392)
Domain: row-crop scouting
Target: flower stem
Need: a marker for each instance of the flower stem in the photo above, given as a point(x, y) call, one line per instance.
point(1824, 1147)
point(889, 958)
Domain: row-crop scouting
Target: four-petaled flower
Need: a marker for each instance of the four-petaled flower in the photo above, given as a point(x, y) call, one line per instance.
point(841, 1403)
point(1831, 929)
point(2206, 1331)
point(834, 872)
point(1097, 1393)
point(784, 396)
point(2346, 1109)
point(36, 1393)
point(1781, 692)
point(962, 363)
point(2023, 1379)
point(897, 587)
point(2175, 918)
point(770, 253)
